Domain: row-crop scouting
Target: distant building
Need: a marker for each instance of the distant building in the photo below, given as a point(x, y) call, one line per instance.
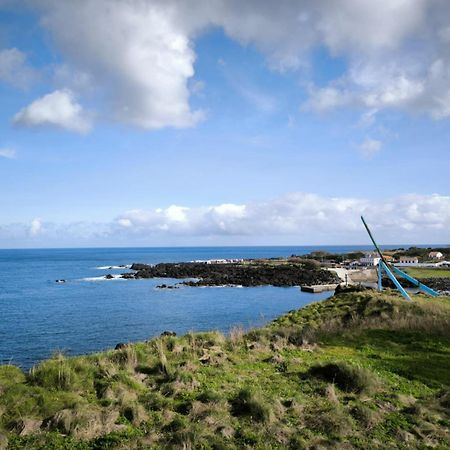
point(370, 259)
point(224, 261)
point(435, 255)
point(408, 261)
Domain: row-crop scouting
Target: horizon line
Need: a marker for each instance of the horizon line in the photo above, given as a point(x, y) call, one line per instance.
point(399, 245)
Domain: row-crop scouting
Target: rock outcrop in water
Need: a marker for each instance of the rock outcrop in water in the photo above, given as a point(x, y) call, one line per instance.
point(235, 274)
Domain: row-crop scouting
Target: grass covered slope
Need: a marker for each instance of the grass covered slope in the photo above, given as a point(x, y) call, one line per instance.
point(360, 370)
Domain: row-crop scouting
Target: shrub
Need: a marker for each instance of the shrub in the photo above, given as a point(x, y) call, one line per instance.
point(10, 375)
point(126, 357)
point(366, 416)
point(249, 403)
point(347, 377)
point(55, 373)
point(209, 396)
point(331, 420)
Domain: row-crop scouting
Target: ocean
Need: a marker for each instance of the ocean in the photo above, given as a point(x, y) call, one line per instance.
point(88, 314)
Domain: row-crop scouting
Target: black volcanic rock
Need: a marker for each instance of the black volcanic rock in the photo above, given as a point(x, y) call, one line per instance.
point(236, 274)
point(438, 284)
point(168, 333)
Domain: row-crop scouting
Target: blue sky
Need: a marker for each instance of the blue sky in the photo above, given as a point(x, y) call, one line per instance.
point(144, 123)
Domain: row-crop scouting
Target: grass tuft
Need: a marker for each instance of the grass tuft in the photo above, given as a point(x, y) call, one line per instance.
point(347, 377)
point(251, 404)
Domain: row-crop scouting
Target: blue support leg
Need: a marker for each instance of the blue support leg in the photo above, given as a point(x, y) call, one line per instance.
point(417, 283)
point(395, 281)
point(380, 276)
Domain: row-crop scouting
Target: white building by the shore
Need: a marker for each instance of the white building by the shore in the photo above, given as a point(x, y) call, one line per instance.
point(370, 259)
point(435, 255)
point(408, 261)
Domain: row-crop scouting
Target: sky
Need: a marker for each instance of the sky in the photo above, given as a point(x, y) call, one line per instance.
point(222, 122)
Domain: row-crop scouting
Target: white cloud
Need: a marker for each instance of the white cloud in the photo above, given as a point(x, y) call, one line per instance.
point(15, 70)
point(59, 109)
point(36, 227)
point(139, 54)
point(8, 153)
point(301, 218)
point(135, 52)
point(297, 214)
point(370, 147)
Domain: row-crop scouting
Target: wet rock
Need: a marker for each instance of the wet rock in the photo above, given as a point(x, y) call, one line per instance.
point(60, 281)
point(127, 276)
point(168, 333)
point(109, 276)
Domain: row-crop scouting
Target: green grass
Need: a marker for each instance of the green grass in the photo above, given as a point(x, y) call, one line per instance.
point(360, 370)
point(419, 272)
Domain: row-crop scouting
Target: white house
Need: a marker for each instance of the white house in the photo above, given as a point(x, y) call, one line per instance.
point(408, 261)
point(435, 255)
point(370, 259)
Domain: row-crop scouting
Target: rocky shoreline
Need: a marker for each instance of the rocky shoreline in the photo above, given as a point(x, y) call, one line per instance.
point(246, 275)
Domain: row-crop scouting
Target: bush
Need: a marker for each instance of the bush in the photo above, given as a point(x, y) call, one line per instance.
point(347, 377)
point(366, 416)
point(249, 403)
point(331, 420)
point(55, 373)
point(209, 396)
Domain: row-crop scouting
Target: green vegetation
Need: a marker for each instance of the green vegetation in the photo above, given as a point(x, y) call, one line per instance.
point(419, 272)
point(421, 253)
point(362, 370)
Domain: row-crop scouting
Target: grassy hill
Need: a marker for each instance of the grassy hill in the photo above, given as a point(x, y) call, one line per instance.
point(361, 370)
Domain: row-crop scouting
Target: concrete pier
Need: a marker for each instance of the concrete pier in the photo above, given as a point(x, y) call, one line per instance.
point(318, 288)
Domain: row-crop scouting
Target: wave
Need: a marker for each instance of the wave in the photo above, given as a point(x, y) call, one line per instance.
point(103, 278)
point(221, 286)
point(123, 266)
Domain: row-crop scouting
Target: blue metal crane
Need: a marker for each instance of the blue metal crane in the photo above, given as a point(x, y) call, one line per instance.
point(383, 266)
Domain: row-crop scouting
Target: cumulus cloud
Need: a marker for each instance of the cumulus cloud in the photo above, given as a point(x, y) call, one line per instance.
point(135, 51)
point(59, 109)
point(303, 218)
point(8, 153)
point(370, 147)
point(295, 214)
point(15, 70)
point(140, 53)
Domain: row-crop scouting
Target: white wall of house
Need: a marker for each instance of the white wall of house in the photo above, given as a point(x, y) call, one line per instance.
point(370, 260)
point(406, 261)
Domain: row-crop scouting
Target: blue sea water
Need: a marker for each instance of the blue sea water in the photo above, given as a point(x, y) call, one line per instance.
point(87, 313)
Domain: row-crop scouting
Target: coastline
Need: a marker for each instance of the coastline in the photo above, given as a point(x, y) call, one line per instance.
point(321, 378)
